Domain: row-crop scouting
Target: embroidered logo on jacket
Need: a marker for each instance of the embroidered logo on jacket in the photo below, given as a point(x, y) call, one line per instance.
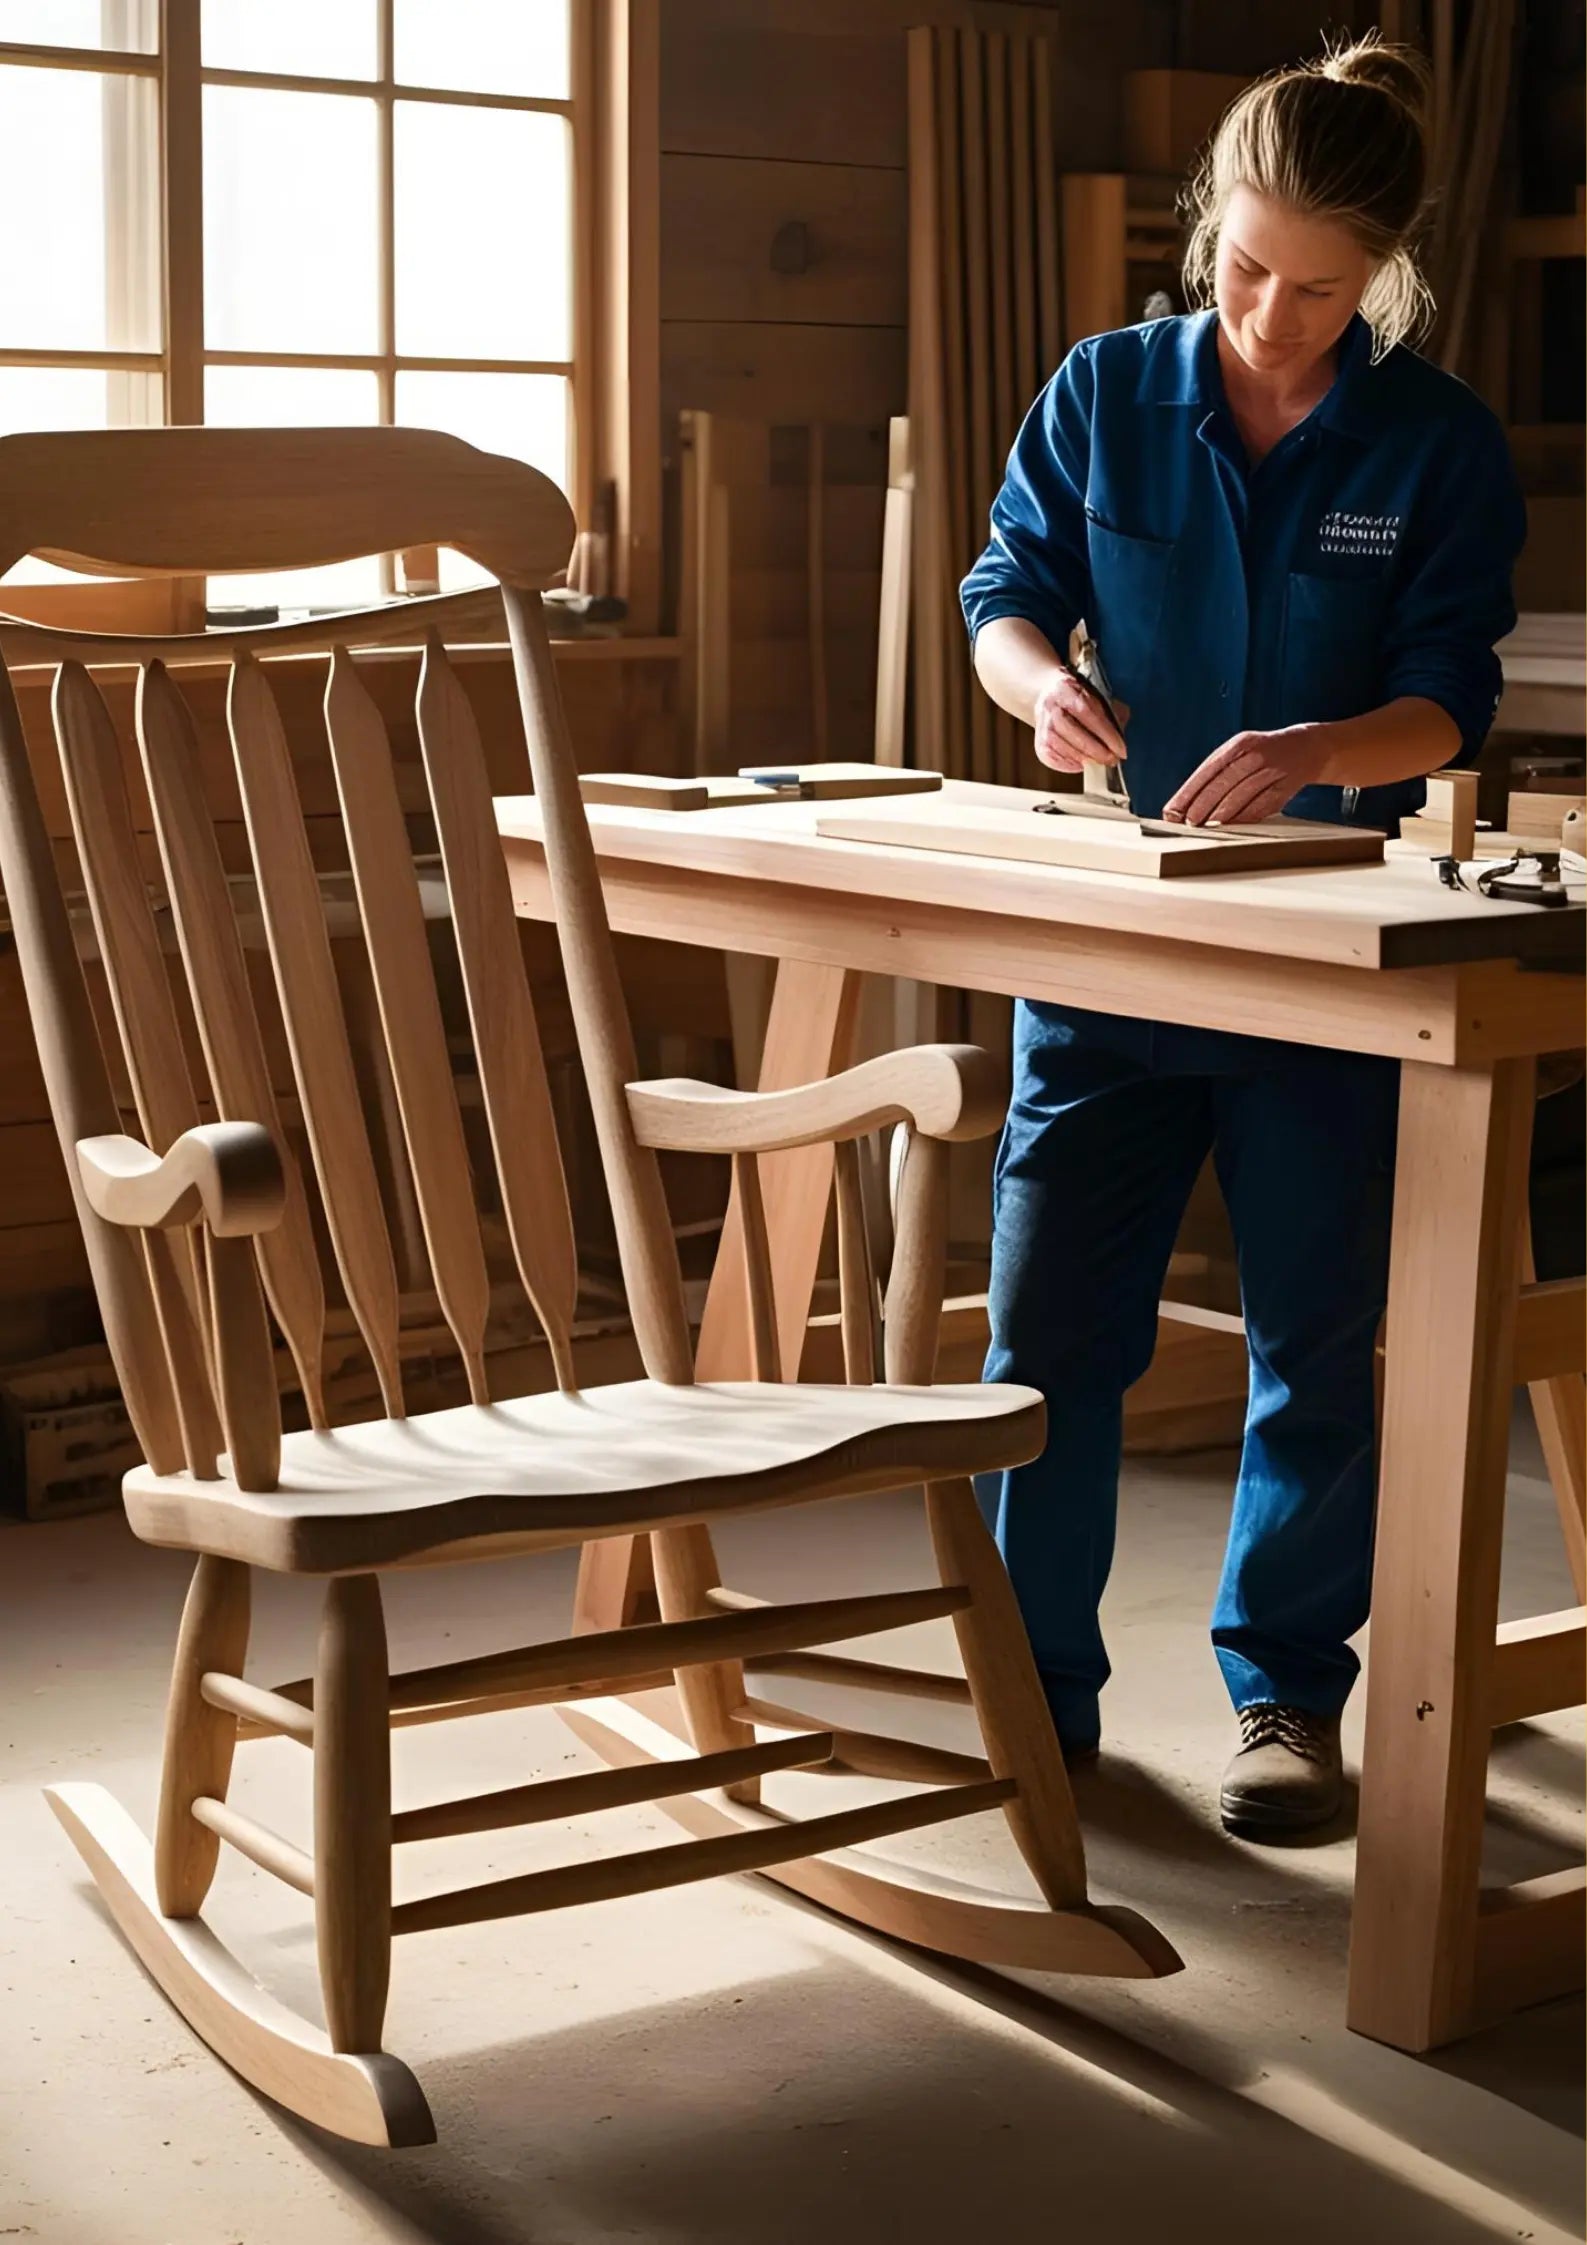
point(1363, 537)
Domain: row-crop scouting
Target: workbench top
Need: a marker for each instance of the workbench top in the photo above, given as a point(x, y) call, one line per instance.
point(1392, 915)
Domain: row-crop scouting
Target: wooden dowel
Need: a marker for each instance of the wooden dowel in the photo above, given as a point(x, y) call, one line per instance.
point(352, 1813)
point(268, 1714)
point(765, 1357)
point(856, 1278)
point(873, 1753)
point(866, 1675)
point(654, 1868)
point(604, 1660)
point(595, 1790)
point(262, 1846)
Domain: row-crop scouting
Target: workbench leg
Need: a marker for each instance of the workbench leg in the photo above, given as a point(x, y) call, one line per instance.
point(1459, 1225)
point(809, 1036)
point(1562, 1433)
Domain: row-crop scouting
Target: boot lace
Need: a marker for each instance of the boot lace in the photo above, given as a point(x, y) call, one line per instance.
point(1292, 1727)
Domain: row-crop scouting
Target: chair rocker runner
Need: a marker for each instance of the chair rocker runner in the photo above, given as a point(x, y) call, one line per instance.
point(195, 1227)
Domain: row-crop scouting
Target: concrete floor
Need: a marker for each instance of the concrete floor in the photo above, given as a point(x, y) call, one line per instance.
point(723, 2066)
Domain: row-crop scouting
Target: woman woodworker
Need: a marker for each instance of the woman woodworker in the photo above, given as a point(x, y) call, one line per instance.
point(1291, 539)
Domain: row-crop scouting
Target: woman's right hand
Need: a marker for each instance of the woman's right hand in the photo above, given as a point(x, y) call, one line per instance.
point(1074, 726)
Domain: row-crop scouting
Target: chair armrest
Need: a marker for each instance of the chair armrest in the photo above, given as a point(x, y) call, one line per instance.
point(944, 1091)
point(229, 1173)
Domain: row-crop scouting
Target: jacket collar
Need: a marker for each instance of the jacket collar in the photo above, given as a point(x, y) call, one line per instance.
point(1187, 374)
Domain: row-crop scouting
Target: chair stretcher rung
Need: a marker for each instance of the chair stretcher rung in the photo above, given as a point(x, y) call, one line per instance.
point(262, 1846)
point(268, 1714)
point(604, 1660)
point(840, 1668)
point(871, 1753)
point(608, 1788)
point(652, 1868)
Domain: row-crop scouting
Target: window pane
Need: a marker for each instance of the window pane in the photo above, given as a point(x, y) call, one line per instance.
point(294, 397)
point(482, 236)
point(309, 38)
point(290, 236)
point(70, 397)
point(484, 46)
point(80, 150)
point(131, 26)
point(523, 415)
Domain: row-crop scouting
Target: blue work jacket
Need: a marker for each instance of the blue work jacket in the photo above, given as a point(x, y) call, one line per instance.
point(1366, 557)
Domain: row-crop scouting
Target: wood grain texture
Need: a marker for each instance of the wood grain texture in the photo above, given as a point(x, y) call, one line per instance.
point(81, 1099)
point(1010, 1704)
point(352, 1814)
point(905, 1903)
point(507, 1048)
point(779, 371)
point(948, 1091)
point(639, 1209)
point(370, 2100)
point(199, 1738)
point(721, 215)
point(189, 501)
point(1095, 844)
point(228, 1025)
point(1459, 1216)
point(410, 1010)
point(311, 1011)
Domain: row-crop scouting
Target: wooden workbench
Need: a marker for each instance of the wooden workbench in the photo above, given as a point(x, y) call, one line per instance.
point(1465, 994)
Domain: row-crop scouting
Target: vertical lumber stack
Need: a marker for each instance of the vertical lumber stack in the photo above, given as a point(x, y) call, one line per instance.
point(985, 331)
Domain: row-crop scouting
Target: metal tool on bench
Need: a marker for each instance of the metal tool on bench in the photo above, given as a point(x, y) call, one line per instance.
point(1104, 781)
point(1529, 877)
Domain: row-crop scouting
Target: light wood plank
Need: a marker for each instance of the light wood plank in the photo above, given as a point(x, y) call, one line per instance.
point(410, 1011)
point(311, 1012)
point(507, 1047)
point(1529, 1943)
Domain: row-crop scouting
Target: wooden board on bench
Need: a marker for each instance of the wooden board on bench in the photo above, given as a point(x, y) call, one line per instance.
point(1104, 845)
point(754, 783)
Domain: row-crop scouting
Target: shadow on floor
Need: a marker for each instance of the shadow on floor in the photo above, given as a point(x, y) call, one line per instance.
point(756, 2119)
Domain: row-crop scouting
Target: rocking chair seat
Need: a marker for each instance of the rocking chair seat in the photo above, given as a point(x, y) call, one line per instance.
point(547, 1470)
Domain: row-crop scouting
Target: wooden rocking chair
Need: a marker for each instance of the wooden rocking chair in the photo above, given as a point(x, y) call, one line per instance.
point(192, 1230)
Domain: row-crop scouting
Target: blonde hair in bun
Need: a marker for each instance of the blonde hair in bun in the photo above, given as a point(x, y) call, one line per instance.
point(1343, 137)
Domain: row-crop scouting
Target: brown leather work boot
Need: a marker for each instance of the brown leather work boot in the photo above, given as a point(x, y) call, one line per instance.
point(1287, 1775)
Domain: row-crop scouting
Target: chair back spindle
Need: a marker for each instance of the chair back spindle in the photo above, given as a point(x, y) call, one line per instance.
point(228, 1027)
point(410, 1011)
point(512, 1069)
point(311, 1013)
point(633, 1176)
point(77, 1082)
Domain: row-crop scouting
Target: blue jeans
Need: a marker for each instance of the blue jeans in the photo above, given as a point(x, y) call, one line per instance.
point(1108, 1127)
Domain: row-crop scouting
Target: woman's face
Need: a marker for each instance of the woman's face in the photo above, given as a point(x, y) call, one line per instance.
point(1286, 285)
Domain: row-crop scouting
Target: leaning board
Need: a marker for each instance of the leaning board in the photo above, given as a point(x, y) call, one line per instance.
point(1101, 846)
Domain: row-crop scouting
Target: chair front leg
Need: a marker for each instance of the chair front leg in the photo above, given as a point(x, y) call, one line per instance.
point(199, 1739)
point(352, 1812)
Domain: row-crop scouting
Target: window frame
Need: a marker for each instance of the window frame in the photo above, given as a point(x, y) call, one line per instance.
point(599, 110)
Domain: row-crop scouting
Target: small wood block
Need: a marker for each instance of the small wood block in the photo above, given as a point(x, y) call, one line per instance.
point(1105, 846)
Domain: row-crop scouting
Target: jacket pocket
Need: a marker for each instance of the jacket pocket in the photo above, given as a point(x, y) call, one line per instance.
point(1333, 647)
point(1129, 580)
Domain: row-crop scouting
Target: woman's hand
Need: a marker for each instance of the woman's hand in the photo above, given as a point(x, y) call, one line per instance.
point(1252, 776)
point(1075, 727)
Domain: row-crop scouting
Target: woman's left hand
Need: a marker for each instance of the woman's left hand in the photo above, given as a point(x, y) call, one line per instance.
point(1251, 777)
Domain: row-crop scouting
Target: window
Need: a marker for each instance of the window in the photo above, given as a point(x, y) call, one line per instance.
point(292, 212)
